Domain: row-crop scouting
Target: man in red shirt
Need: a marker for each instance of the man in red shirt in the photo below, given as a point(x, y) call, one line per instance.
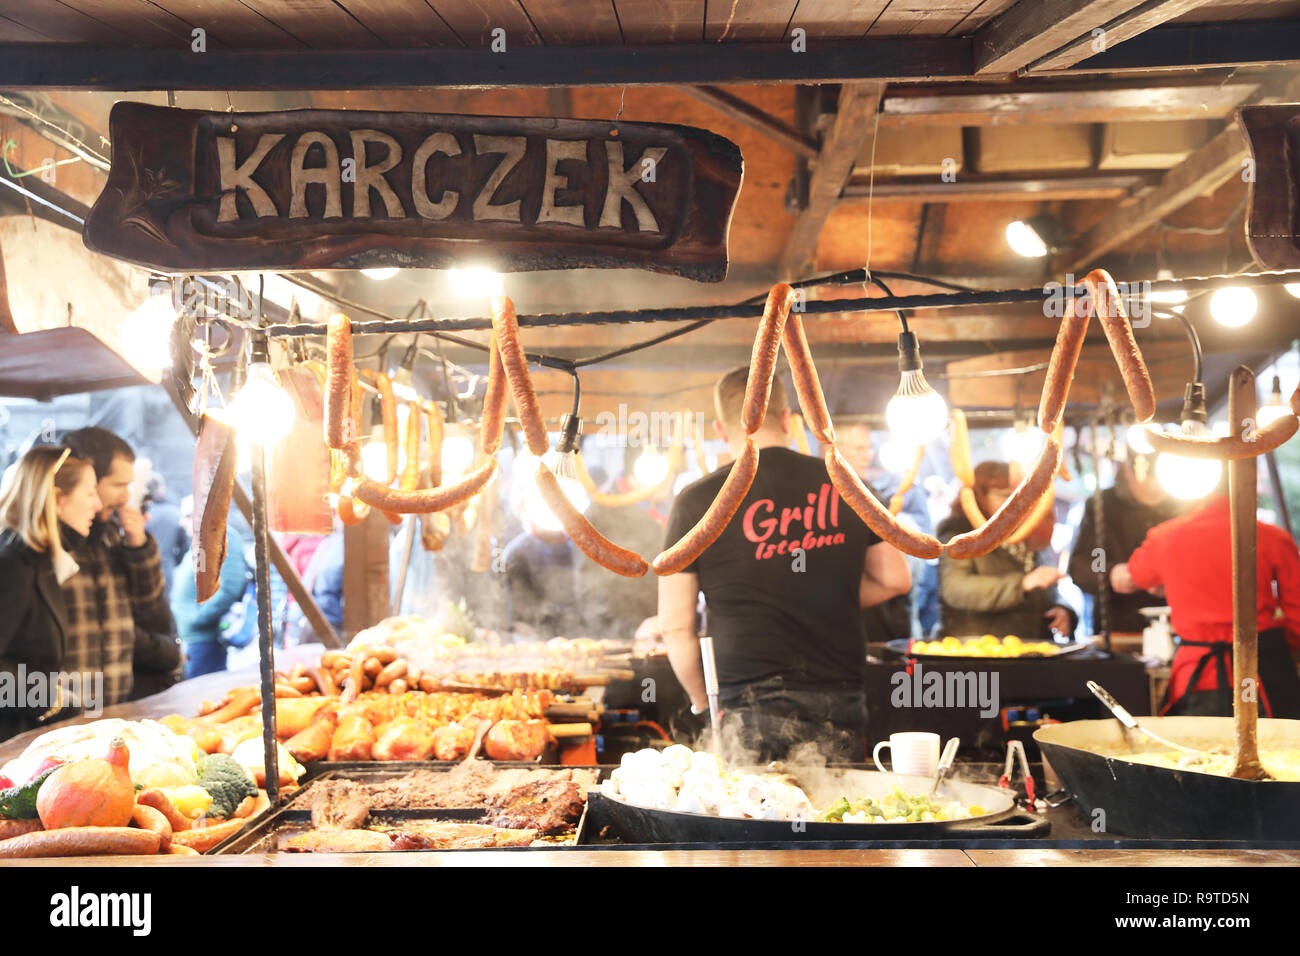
point(1191, 558)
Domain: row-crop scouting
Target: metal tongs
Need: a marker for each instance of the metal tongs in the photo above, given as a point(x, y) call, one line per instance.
point(1128, 720)
point(946, 760)
point(1016, 748)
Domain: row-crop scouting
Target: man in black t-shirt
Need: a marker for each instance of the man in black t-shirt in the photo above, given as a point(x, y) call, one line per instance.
point(784, 586)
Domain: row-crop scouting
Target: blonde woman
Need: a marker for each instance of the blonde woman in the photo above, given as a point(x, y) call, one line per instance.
point(47, 489)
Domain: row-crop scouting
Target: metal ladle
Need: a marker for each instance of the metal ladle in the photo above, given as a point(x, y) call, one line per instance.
point(1128, 720)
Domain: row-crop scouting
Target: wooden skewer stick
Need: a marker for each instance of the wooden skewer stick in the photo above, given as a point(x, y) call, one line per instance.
point(1242, 494)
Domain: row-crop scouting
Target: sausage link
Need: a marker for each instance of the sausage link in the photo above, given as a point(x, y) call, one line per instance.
point(812, 400)
point(81, 841)
point(696, 541)
point(1041, 508)
point(340, 427)
point(388, 415)
point(1229, 448)
point(515, 365)
point(1006, 519)
point(410, 477)
point(15, 828)
point(959, 451)
point(425, 500)
point(762, 360)
point(390, 673)
point(147, 818)
point(1061, 366)
point(589, 541)
point(1119, 333)
point(971, 507)
point(437, 428)
point(873, 513)
point(494, 402)
point(153, 797)
point(896, 502)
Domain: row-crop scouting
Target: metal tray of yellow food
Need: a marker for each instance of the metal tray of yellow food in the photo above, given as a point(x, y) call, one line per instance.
point(1016, 650)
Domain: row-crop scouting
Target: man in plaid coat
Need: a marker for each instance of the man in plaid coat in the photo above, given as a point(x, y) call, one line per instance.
point(117, 599)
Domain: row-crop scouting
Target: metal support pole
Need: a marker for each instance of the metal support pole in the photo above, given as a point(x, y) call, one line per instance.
point(265, 634)
point(408, 544)
point(1243, 500)
point(1278, 494)
point(1099, 541)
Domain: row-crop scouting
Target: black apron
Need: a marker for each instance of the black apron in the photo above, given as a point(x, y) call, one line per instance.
point(1278, 679)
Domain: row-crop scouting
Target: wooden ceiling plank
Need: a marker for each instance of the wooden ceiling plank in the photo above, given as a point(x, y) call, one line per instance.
point(731, 20)
point(745, 112)
point(145, 22)
point(835, 19)
point(981, 15)
point(574, 22)
point(322, 24)
point(1145, 103)
point(858, 104)
point(921, 17)
point(1033, 29)
point(661, 21)
point(11, 31)
point(474, 21)
point(1205, 170)
point(61, 22)
point(1124, 27)
point(230, 24)
point(403, 23)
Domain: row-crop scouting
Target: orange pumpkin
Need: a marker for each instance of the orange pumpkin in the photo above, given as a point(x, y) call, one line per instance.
point(89, 793)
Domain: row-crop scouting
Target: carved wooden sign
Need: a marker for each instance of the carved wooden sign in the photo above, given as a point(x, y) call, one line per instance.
point(1273, 220)
point(195, 191)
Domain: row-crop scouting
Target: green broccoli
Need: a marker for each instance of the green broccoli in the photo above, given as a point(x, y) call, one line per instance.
point(835, 812)
point(227, 781)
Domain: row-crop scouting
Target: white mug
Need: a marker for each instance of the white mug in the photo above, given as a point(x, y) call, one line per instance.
point(912, 752)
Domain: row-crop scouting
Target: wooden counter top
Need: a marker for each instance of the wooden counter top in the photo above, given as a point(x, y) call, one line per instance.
point(723, 858)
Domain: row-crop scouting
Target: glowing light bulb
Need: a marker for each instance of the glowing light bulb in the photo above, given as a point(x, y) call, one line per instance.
point(1276, 406)
point(1234, 306)
point(650, 468)
point(262, 411)
point(457, 456)
point(1136, 439)
point(896, 455)
point(379, 275)
point(1023, 444)
point(374, 461)
point(1188, 478)
point(475, 282)
point(146, 333)
point(1293, 288)
point(916, 413)
point(1172, 296)
point(1024, 240)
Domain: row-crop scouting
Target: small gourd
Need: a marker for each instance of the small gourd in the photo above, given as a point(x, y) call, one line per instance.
point(96, 792)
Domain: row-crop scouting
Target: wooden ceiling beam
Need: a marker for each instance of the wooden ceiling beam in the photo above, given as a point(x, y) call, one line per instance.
point(1203, 171)
point(1241, 44)
point(844, 141)
point(1124, 27)
point(1033, 29)
point(61, 66)
point(1109, 185)
point(756, 119)
point(1110, 104)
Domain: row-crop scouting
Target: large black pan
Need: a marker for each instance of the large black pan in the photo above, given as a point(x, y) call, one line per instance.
point(1145, 801)
point(824, 787)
